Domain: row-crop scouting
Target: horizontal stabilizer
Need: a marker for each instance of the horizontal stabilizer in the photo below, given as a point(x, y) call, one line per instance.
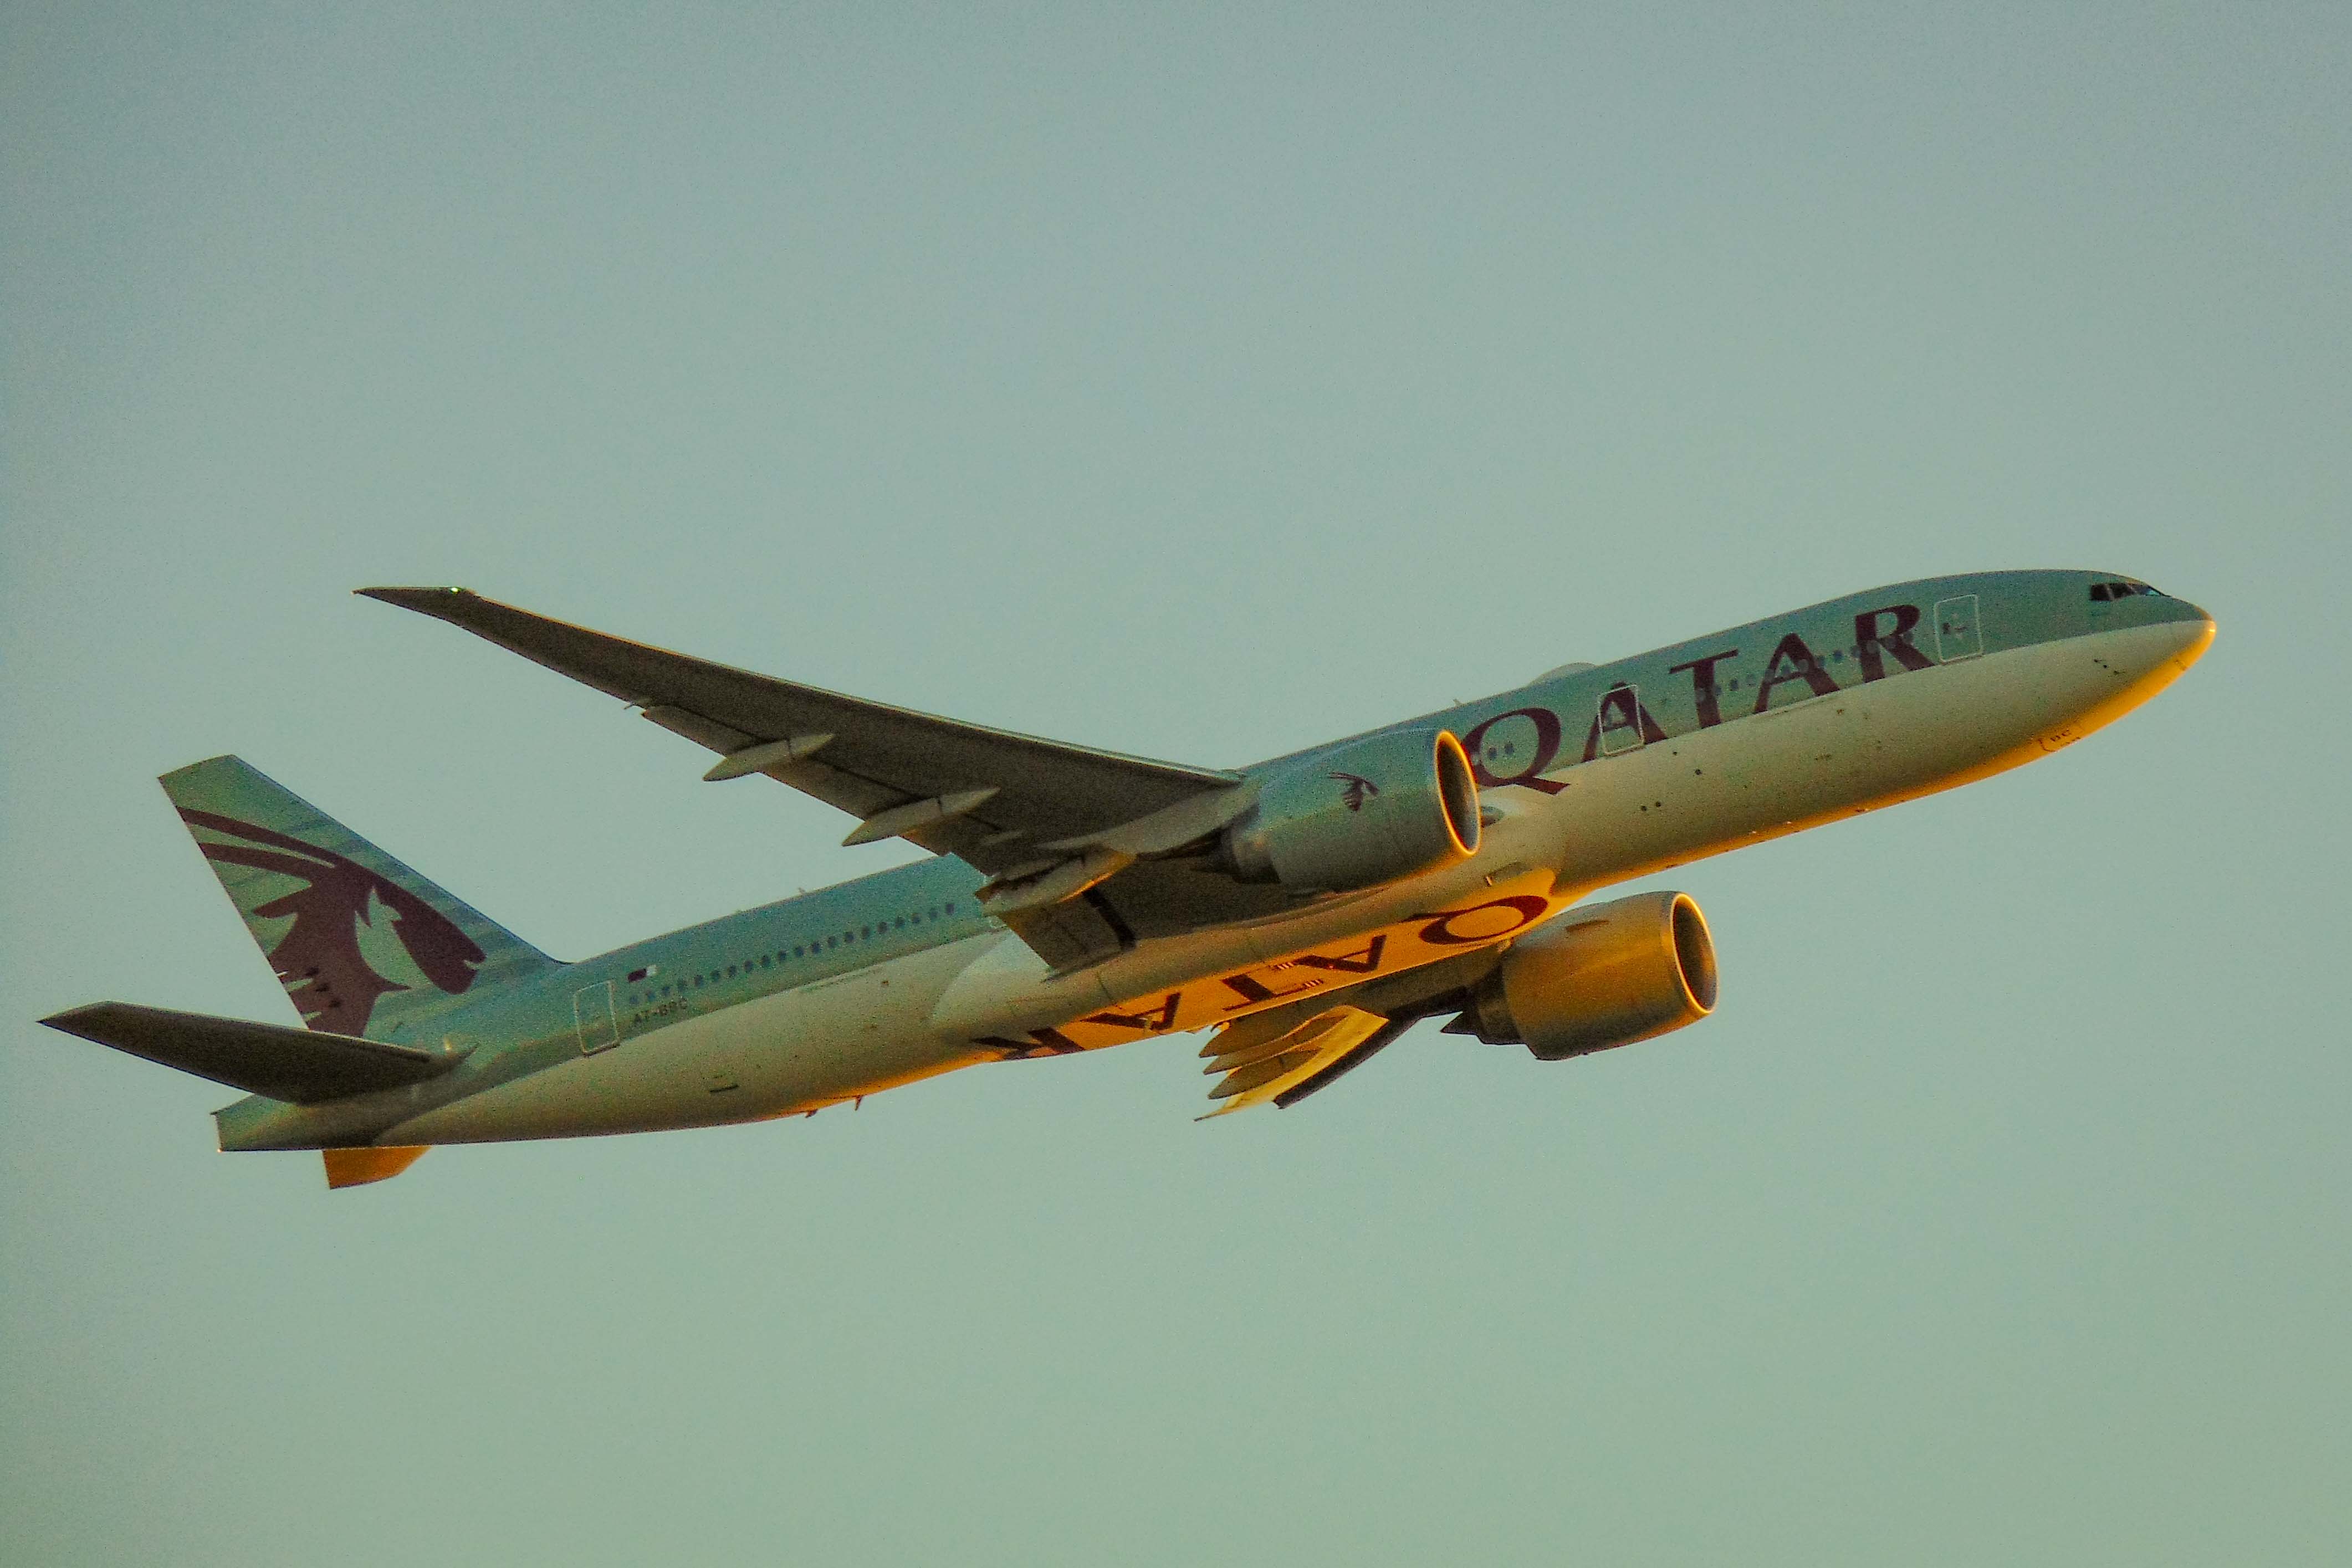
point(301, 1066)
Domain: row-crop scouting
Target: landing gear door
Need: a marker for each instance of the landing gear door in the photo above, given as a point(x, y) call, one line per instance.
point(591, 1010)
point(1957, 637)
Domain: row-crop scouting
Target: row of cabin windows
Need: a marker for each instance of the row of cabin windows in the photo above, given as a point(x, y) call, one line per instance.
point(1724, 688)
point(808, 949)
point(1835, 656)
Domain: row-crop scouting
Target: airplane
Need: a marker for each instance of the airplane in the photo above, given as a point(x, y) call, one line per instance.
point(1307, 909)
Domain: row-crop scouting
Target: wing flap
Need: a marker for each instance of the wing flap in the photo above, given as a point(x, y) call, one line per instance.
point(302, 1067)
point(1286, 1053)
point(1263, 1062)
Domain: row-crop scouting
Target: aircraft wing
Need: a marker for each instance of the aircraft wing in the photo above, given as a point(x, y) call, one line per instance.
point(1287, 1052)
point(1279, 1056)
point(1049, 822)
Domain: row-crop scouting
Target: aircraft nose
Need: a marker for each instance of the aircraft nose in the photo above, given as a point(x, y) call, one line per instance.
point(2195, 634)
point(2186, 630)
point(2120, 603)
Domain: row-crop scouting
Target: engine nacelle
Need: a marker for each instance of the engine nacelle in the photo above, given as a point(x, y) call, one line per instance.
point(1602, 976)
point(1386, 807)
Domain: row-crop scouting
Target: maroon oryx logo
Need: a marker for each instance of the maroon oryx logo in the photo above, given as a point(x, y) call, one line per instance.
point(1355, 789)
point(319, 961)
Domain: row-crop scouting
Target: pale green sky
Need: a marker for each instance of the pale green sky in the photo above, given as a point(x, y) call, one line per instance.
point(1202, 385)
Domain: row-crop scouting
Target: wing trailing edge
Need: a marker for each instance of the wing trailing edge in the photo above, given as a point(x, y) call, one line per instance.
point(1259, 1064)
point(1282, 1055)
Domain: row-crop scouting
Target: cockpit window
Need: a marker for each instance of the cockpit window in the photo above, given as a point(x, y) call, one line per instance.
point(2103, 593)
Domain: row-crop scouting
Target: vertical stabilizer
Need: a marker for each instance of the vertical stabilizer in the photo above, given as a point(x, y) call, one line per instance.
point(362, 943)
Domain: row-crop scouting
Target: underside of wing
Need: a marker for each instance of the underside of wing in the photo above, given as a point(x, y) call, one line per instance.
point(1272, 1057)
point(1287, 1052)
point(1050, 824)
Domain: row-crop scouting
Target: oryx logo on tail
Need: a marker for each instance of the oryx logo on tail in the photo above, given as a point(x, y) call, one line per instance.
point(320, 960)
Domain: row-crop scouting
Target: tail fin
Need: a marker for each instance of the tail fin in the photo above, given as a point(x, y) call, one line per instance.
point(362, 943)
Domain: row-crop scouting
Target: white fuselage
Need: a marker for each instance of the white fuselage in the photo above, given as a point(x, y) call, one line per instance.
point(1618, 817)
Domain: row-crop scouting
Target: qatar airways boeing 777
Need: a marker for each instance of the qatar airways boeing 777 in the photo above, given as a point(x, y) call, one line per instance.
point(1308, 909)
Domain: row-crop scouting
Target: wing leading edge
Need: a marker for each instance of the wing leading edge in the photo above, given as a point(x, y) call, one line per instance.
point(1049, 822)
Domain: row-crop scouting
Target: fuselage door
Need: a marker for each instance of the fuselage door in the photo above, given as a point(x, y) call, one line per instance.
point(1956, 629)
point(1621, 720)
point(591, 1010)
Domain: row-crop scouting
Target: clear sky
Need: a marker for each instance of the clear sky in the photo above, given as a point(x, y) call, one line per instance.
point(1202, 385)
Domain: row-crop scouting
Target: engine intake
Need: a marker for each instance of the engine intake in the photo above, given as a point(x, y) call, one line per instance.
point(1603, 975)
point(1379, 809)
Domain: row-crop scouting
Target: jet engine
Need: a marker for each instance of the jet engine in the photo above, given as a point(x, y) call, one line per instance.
point(1359, 815)
point(1602, 976)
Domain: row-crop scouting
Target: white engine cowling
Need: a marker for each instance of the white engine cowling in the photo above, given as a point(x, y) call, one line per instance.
point(1602, 976)
point(1385, 807)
